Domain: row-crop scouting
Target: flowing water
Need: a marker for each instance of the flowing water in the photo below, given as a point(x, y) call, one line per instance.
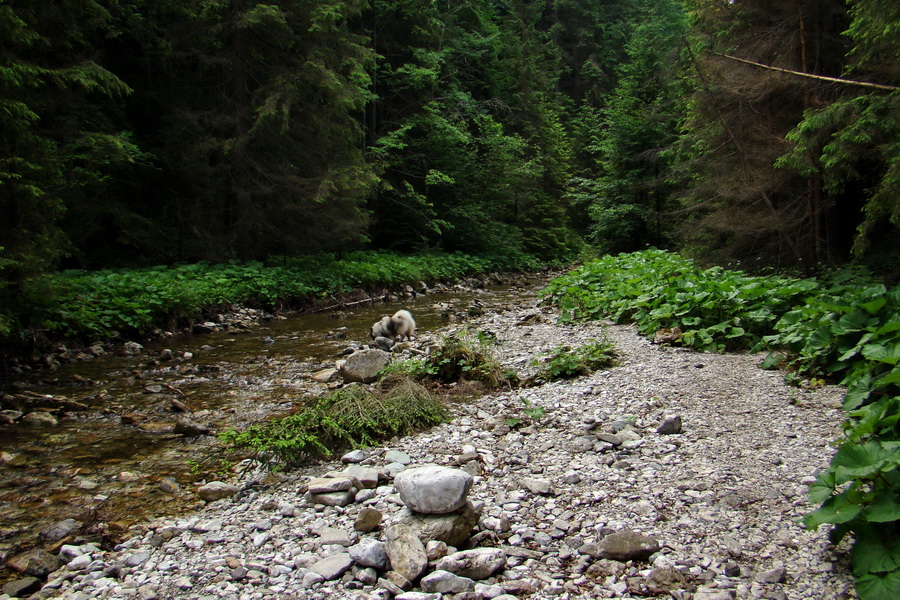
point(115, 461)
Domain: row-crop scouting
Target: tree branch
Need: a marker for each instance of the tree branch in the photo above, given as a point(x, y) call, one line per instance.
point(879, 86)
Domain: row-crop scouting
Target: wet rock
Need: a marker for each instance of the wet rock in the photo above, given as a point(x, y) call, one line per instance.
point(19, 588)
point(9, 416)
point(433, 489)
point(59, 530)
point(40, 419)
point(363, 365)
point(405, 551)
point(36, 562)
point(190, 428)
point(131, 348)
point(216, 490)
point(627, 545)
point(383, 343)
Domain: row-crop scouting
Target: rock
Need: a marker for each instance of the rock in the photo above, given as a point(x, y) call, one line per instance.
point(332, 499)
point(367, 519)
point(370, 552)
point(356, 456)
point(451, 528)
point(383, 343)
point(327, 485)
point(40, 419)
point(771, 576)
point(325, 375)
point(131, 348)
point(445, 582)
point(216, 490)
point(363, 366)
point(169, 485)
point(366, 476)
point(397, 456)
point(20, 588)
point(627, 545)
point(332, 535)
point(714, 594)
point(59, 530)
point(190, 428)
point(332, 567)
point(670, 426)
point(36, 562)
point(478, 564)
point(536, 486)
point(433, 489)
point(405, 551)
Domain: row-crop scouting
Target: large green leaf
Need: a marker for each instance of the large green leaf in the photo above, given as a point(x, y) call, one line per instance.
point(853, 321)
point(889, 354)
point(885, 508)
point(879, 586)
point(854, 461)
point(837, 509)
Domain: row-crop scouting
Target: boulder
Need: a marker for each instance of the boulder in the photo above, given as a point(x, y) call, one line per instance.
point(370, 552)
point(445, 582)
point(405, 551)
point(363, 365)
point(451, 528)
point(627, 545)
point(36, 562)
point(216, 490)
point(433, 489)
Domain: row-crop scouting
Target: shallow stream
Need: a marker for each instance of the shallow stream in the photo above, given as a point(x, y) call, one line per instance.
point(115, 460)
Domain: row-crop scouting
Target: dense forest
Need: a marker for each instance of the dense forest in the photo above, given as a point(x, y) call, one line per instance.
point(139, 132)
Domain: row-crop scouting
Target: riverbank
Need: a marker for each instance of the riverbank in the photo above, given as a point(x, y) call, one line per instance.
point(722, 498)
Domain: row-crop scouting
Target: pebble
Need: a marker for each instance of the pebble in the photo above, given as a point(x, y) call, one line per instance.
point(710, 501)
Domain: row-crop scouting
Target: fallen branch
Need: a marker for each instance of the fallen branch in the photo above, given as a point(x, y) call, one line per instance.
point(346, 304)
point(878, 86)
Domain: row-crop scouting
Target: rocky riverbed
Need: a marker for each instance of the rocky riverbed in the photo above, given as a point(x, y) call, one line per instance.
point(702, 461)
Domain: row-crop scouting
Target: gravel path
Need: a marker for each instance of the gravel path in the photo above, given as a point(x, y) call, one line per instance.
point(723, 498)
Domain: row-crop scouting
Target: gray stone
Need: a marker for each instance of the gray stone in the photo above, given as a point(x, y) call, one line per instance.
point(417, 596)
point(627, 545)
point(216, 490)
point(370, 552)
point(445, 582)
point(479, 563)
point(670, 426)
point(356, 456)
point(714, 594)
point(451, 528)
point(59, 530)
point(363, 366)
point(22, 587)
point(366, 476)
point(332, 535)
point(327, 485)
point(397, 456)
point(771, 576)
point(536, 486)
point(137, 559)
point(405, 551)
point(433, 489)
point(332, 499)
point(332, 567)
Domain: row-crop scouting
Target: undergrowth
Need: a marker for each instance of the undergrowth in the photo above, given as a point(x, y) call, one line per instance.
point(565, 362)
point(844, 328)
point(351, 417)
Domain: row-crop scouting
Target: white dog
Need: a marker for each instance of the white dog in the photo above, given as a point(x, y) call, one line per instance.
point(398, 326)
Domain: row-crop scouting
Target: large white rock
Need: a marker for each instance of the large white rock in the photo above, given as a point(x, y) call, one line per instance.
point(433, 489)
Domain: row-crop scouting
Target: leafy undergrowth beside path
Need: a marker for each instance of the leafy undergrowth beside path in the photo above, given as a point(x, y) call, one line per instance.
point(130, 303)
point(845, 328)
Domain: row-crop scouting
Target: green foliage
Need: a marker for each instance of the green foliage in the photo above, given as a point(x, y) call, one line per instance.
point(565, 362)
point(132, 302)
point(466, 356)
point(351, 417)
point(716, 309)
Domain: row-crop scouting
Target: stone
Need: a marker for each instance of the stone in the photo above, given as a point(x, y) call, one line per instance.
point(22, 587)
point(368, 519)
point(59, 530)
point(771, 576)
point(714, 594)
point(370, 552)
point(417, 596)
point(627, 545)
point(333, 566)
point(477, 564)
point(451, 528)
point(397, 456)
point(190, 428)
point(363, 366)
point(36, 562)
point(325, 375)
point(536, 486)
point(40, 419)
point(333, 535)
point(366, 476)
point(405, 551)
point(355, 456)
point(445, 582)
point(327, 485)
point(216, 490)
point(670, 426)
point(433, 489)
point(332, 499)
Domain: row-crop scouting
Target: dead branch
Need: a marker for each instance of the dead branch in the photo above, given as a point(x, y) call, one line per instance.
point(879, 86)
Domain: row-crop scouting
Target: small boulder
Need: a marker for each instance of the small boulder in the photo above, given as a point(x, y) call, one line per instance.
point(405, 551)
point(433, 489)
point(477, 564)
point(363, 365)
point(216, 490)
point(627, 545)
point(332, 567)
point(370, 552)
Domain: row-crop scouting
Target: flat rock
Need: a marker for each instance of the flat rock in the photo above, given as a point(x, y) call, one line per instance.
point(627, 545)
point(478, 564)
point(333, 566)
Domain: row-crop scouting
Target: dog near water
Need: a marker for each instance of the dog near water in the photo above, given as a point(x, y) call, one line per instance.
point(397, 327)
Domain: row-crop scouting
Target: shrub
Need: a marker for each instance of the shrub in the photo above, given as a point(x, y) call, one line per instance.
point(565, 362)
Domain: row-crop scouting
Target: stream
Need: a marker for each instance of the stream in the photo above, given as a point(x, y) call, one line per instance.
point(112, 458)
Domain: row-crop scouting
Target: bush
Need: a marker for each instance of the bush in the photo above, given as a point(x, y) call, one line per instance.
point(565, 362)
point(351, 417)
point(466, 356)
